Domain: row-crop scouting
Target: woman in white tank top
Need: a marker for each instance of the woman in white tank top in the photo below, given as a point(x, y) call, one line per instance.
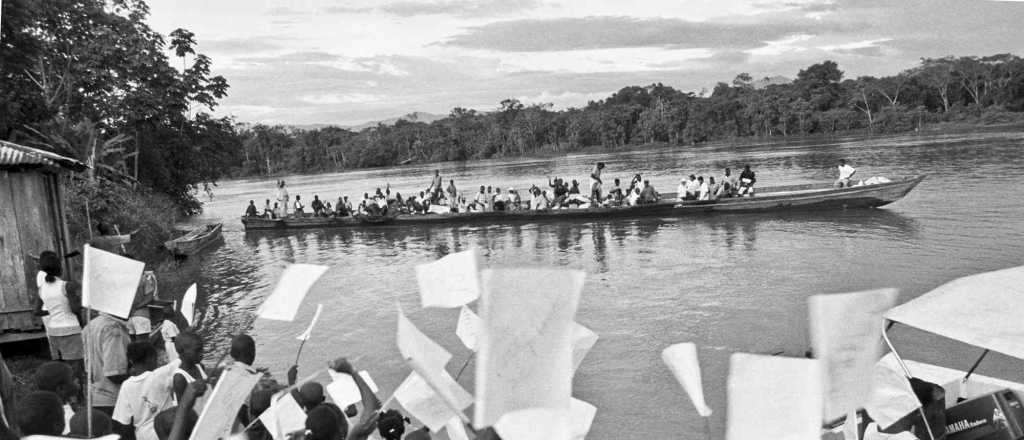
point(62, 327)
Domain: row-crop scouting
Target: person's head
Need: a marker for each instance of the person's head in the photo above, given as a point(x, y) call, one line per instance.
point(842, 162)
point(727, 171)
point(692, 177)
point(746, 167)
point(711, 180)
point(79, 424)
point(616, 180)
point(163, 423)
point(189, 347)
point(600, 165)
point(482, 188)
point(451, 181)
point(275, 205)
point(391, 425)
point(267, 202)
point(323, 424)
point(142, 356)
point(488, 189)
point(346, 198)
point(575, 183)
point(49, 263)
point(298, 197)
point(497, 190)
point(316, 197)
point(422, 194)
point(40, 413)
point(311, 394)
point(251, 202)
point(700, 179)
point(647, 183)
point(58, 378)
point(437, 172)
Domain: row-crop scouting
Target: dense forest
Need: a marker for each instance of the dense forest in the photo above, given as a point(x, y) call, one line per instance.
point(819, 100)
point(90, 79)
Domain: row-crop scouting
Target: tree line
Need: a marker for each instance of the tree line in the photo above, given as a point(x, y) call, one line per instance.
point(819, 100)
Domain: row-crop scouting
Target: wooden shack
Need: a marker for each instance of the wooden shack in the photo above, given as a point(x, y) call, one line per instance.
point(31, 221)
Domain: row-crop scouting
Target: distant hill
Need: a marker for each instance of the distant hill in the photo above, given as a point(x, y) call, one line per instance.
point(411, 117)
point(770, 81)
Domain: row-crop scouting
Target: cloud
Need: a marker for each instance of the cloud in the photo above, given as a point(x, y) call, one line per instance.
point(536, 35)
point(342, 98)
point(237, 46)
point(284, 11)
point(458, 8)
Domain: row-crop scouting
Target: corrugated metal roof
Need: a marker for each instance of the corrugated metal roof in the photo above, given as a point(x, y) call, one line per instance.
point(19, 156)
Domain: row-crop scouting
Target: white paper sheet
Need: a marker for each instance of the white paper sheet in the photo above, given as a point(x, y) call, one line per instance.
point(849, 351)
point(682, 361)
point(109, 282)
point(455, 429)
point(583, 339)
point(188, 305)
point(312, 323)
point(468, 329)
point(534, 424)
point(283, 417)
point(773, 397)
point(413, 344)
point(891, 396)
point(981, 310)
point(421, 402)
point(451, 281)
point(525, 346)
point(295, 282)
point(581, 417)
point(221, 409)
point(343, 389)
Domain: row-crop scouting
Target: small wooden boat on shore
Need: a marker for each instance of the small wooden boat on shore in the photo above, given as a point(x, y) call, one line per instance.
point(195, 240)
point(768, 199)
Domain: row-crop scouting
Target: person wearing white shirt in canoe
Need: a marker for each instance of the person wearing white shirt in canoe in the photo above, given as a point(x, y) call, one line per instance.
point(703, 190)
point(500, 200)
point(480, 202)
point(692, 188)
point(845, 173)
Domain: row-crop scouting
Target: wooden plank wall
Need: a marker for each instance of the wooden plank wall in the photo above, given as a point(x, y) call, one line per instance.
point(28, 226)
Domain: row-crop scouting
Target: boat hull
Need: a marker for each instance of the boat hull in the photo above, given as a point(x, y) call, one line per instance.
point(779, 199)
point(192, 244)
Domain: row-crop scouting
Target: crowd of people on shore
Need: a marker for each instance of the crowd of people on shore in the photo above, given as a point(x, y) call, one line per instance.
point(148, 380)
point(557, 193)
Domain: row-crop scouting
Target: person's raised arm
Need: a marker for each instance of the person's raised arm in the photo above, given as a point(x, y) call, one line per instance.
point(188, 399)
point(371, 404)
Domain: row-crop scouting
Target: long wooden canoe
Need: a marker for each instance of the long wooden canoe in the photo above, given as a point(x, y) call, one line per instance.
point(195, 241)
point(780, 198)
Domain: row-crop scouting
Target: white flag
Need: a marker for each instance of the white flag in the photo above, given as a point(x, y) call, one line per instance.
point(344, 391)
point(525, 346)
point(455, 429)
point(421, 401)
point(774, 397)
point(312, 323)
point(534, 424)
point(223, 402)
point(284, 301)
point(468, 329)
point(284, 417)
point(583, 339)
point(848, 352)
point(581, 416)
point(188, 305)
point(413, 344)
point(891, 396)
point(109, 282)
point(451, 281)
point(681, 359)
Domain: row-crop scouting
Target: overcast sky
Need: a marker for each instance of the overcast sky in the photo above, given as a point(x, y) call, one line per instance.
point(347, 62)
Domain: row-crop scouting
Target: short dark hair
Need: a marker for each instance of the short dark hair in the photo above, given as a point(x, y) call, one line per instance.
point(53, 374)
point(186, 337)
point(40, 413)
point(243, 348)
point(323, 424)
point(101, 424)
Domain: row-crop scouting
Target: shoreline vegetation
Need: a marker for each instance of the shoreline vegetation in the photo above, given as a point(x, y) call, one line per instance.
point(143, 119)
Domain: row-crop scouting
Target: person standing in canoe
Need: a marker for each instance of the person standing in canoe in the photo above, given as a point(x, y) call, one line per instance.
point(845, 173)
point(453, 194)
point(436, 187)
point(282, 197)
point(595, 184)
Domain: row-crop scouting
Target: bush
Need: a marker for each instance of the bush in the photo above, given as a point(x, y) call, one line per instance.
point(115, 204)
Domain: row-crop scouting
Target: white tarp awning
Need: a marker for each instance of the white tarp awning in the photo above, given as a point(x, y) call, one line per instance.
point(983, 310)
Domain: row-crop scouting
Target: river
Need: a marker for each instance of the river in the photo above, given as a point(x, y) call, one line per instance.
point(730, 283)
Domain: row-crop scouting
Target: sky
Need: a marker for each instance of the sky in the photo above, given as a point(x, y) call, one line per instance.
point(348, 62)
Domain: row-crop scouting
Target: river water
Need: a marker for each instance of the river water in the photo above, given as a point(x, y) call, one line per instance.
point(730, 283)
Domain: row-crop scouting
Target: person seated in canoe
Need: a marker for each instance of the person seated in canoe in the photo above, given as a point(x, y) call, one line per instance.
point(703, 190)
point(615, 195)
point(479, 202)
point(500, 200)
point(250, 211)
point(267, 210)
point(540, 200)
point(730, 184)
point(298, 208)
point(692, 188)
point(560, 190)
point(317, 205)
point(714, 188)
point(277, 211)
point(648, 195)
point(681, 190)
point(328, 210)
point(845, 173)
point(363, 204)
point(575, 198)
point(747, 181)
